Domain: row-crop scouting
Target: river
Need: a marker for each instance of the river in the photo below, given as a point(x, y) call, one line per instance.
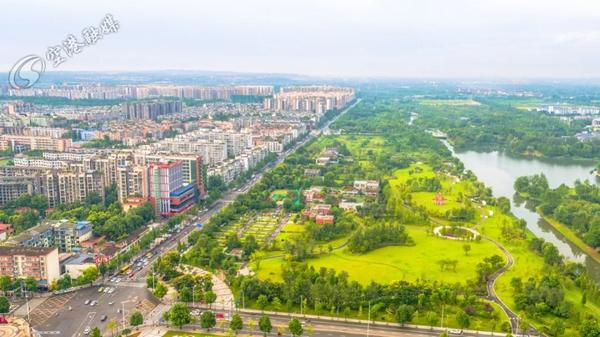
point(499, 171)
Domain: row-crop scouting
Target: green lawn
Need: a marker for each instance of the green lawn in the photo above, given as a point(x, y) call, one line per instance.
point(389, 264)
point(186, 334)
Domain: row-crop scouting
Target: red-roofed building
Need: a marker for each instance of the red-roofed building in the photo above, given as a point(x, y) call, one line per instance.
point(324, 219)
point(6, 230)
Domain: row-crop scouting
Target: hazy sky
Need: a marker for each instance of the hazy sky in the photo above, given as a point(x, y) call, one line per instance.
point(424, 38)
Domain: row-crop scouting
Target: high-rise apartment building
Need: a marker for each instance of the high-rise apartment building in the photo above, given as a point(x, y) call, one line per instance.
point(167, 191)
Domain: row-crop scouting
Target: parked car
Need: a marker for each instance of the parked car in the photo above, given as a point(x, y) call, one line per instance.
point(87, 330)
point(86, 302)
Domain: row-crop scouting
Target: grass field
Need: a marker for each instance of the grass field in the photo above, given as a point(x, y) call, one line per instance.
point(395, 263)
point(528, 264)
point(451, 189)
point(450, 102)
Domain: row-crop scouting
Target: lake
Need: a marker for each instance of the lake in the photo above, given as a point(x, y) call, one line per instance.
point(499, 171)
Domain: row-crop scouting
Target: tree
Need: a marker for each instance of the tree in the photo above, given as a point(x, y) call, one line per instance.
point(467, 248)
point(136, 319)
point(5, 283)
point(589, 328)
point(264, 325)
point(112, 325)
point(404, 313)
point(557, 328)
point(179, 315)
point(251, 325)
point(295, 327)
point(208, 320)
point(463, 319)
point(160, 290)
point(262, 302)
point(4, 305)
point(431, 318)
point(236, 323)
point(96, 332)
point(89, 275)
point(210, 297)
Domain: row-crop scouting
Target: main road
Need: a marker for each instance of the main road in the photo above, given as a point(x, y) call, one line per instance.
point(225, 199)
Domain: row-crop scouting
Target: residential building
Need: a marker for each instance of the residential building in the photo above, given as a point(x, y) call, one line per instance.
point(167, 191)
point(19, 143)
point(75, 265)
point(63, 234)
point(39, 263)
point(6, 230)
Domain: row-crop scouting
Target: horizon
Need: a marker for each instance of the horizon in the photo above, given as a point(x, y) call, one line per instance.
point(355, 39)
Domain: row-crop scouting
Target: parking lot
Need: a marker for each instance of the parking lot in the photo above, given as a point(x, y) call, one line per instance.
point(69, 315)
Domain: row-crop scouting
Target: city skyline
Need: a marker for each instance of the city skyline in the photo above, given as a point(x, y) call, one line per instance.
point(380, 39)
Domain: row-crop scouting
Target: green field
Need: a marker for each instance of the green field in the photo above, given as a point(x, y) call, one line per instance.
point(395, 263)
point(450, 102)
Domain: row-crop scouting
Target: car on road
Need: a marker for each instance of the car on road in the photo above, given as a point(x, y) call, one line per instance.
point(93, 303)
point(111, 303)
point(103, 318)
point(87, 330)
point(455, 332)
point(87, 302)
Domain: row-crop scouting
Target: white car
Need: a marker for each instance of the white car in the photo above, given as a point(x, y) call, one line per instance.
point(87, 330)
point(455, 332)
point(111, 290)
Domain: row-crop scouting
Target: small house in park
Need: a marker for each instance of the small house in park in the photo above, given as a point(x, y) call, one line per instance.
point(313, 194)
point(312, 172)
point(350, 206)
point(368, 187)
point(318, 209)
point(439, 199)
point(324, 219)
point(322, 161)
point(321, 209)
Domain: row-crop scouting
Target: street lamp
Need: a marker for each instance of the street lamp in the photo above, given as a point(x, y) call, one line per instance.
point(123, 312)
point(24, 292)
point(193, 293)
point(369, 320)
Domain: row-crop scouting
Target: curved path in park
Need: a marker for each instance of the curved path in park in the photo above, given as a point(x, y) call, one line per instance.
point(491, 282)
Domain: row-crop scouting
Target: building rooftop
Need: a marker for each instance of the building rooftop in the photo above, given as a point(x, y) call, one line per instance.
point(29, 251)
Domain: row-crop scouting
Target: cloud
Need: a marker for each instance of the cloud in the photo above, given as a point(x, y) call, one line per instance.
point(582, 37)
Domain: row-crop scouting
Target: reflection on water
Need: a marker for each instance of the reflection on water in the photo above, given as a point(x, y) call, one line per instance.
point(499, 171)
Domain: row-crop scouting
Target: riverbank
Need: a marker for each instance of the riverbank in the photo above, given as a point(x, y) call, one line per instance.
point(571, 236)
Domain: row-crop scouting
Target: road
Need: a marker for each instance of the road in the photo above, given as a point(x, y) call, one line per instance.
point(54, 315)
point(326, 327)
point(67, 314)
point(225, 199)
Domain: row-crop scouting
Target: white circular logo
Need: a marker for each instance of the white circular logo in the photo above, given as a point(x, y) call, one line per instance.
point(26, 72)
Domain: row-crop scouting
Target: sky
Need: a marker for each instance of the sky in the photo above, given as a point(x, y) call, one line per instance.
point(503, 39)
